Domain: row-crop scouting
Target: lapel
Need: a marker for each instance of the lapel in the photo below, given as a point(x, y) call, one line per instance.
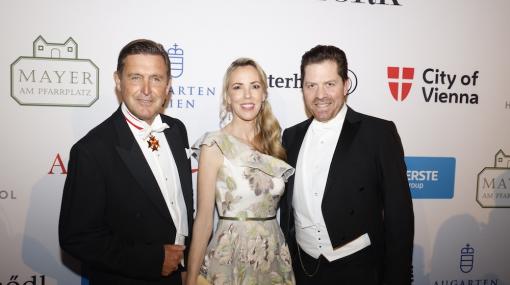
point(130, 152)
point(338, 162)
point(293, 153)
point(175, 141)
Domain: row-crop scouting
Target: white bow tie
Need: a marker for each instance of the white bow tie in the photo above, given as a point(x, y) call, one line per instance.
point(322, 127)
point(148, 130)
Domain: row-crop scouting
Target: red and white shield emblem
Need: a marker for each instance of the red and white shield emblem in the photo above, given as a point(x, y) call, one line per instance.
point(400, 82)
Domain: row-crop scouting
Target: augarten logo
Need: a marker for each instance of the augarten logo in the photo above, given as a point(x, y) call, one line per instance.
point(468, 266)
point(467, 259)
point(437, 86)
point(184, 96)
point(54, 76)
point(176, 55)
point(431, 177)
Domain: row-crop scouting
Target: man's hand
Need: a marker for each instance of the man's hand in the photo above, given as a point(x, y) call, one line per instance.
point(173, 256)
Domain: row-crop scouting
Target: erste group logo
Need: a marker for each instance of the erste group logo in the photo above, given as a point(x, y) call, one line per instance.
point(431, 177)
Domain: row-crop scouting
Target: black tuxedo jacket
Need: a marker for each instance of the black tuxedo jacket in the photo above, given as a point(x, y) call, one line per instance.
point(366, 192)
point(113, 216)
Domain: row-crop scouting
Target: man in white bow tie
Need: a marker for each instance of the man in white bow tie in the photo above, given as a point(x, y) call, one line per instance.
point(348, 214)
point(127, 206)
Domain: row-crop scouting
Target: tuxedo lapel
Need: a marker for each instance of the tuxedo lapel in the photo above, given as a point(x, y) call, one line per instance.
point(338, 162)
point(177, 148)
point(294, 146)
point(130, 152)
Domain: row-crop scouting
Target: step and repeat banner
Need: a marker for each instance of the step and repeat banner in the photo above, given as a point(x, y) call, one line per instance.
point(438, 69)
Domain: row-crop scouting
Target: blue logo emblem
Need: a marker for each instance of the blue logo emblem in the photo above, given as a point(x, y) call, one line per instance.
point(467, 258)
point(176, 55)
point(431, 177)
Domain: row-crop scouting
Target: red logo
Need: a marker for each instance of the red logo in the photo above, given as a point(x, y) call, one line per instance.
point(59, 164)
point(399, 85)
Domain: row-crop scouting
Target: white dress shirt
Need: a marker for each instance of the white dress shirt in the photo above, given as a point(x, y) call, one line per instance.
point(162, 165)
point(312, 169)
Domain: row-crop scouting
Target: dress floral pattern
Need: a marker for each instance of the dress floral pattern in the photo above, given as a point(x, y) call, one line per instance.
point(249, 185)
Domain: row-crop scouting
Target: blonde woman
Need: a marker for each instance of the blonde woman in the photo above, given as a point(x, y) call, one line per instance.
point(242, 170)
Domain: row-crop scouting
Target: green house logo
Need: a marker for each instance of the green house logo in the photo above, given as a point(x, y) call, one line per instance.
point(54, 76)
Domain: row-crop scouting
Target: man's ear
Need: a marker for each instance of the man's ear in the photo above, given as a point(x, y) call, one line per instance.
point(347, 85)
point(116, 78)
point(168, 93)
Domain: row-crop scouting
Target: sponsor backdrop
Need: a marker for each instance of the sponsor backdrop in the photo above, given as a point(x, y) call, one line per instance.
point(438, 69)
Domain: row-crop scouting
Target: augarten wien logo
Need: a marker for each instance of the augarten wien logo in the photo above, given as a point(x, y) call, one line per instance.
point(467, 258)
point(184, 96)
point(54, 76)
point(176, 55)
point(436, 85)
point(467, 263)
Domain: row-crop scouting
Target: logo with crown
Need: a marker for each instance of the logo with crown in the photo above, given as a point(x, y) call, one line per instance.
point(493, 185)
point(186, 94)
point(54, 76)
point(176, 55)
point(467, 259)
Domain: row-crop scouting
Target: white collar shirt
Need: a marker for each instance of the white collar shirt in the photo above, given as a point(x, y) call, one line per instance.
point(162, 165)
point(312, 169)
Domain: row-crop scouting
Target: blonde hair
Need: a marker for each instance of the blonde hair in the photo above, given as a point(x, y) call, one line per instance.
point(268, 131)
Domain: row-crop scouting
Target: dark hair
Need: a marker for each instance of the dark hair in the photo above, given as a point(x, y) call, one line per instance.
point(143, 46)
point(322, 53)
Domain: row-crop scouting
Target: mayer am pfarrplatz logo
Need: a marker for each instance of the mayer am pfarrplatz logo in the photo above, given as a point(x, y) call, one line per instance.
point(493, 183)
point(436, 85)
point(54, 76)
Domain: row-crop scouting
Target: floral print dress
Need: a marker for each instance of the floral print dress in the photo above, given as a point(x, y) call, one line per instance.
point(248, 247)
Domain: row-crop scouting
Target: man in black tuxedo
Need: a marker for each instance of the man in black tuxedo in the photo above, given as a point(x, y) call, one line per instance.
point(347, 214)
point(127, 205)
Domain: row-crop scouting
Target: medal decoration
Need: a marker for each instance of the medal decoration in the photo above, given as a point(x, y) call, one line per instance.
point(153, 143)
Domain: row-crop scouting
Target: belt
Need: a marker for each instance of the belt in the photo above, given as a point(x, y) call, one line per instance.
point(247, 218)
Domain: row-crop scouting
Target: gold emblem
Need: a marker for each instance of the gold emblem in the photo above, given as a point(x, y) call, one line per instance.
point(153, 143)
